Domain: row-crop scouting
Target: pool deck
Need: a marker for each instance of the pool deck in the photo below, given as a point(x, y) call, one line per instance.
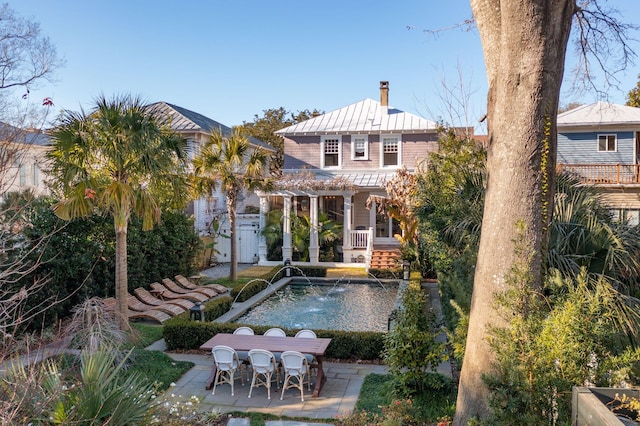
point(337, 398)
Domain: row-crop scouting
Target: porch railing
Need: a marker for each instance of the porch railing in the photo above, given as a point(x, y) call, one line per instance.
point(603, 173)
point(360, 239)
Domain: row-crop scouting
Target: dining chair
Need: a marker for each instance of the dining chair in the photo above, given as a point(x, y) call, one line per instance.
point(276, 332)
point(295, 369)
point(307, 334)
point(227, 363)
point(244, 355)
point(264, 367)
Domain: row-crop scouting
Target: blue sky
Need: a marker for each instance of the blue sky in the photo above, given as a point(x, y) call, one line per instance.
point(230, 60)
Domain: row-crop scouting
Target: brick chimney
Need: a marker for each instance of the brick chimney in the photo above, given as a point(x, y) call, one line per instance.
point(384, 93)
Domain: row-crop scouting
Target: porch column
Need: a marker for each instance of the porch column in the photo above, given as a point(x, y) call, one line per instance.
point(314, 249)
point(286, 229)
point(346, 226)
point(262, 241)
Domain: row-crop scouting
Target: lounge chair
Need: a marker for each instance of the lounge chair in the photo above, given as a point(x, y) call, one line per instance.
point(171, 285)
point(148, 298)
point(136, 305)
point(184, 282)
point(165, 293)
point(150, 314)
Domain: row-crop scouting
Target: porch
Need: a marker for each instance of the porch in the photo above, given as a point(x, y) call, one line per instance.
point(362, 228)
point(603, 174)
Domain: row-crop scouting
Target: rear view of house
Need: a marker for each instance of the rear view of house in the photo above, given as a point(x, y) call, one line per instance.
point(345, 156)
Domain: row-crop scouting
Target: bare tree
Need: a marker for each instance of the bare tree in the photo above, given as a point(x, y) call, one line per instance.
point(27, 58)
point(524, 44)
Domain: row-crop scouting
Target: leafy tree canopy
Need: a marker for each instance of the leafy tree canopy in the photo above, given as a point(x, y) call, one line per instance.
point(273, 119)
point(633, 98)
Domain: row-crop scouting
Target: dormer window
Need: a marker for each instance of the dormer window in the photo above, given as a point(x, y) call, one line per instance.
point(391, 151)
point(359, 147)
point(331, 151)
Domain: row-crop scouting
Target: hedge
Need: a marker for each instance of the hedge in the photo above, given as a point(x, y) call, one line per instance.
point(212, 310)
point(181, 333)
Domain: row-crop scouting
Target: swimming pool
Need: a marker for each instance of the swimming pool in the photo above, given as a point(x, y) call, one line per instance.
point(331, 306)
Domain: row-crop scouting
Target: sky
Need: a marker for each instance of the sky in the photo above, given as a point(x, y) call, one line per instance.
point(231, 60)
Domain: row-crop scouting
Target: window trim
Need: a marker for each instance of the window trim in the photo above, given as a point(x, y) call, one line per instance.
point(399, 162)
point(366, 147)
point(615, 142)
point(322, 152)
point(36, 174)
point(22, 170)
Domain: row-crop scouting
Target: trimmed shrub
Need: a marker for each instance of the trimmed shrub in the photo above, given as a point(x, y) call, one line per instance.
point(217, 307)
point(395, 273)
point(310, 271)
point(181, 333)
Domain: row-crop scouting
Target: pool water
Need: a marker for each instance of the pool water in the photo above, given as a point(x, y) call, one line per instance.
point(349, 307)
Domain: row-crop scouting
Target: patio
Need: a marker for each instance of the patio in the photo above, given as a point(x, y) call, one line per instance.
point(338, 396)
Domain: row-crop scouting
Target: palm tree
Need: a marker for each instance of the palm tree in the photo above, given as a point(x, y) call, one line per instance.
point(119, 159)
point(232, 164)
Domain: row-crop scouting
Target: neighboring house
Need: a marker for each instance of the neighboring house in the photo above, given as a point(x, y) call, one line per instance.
point(346, 155)
point(600, 143)
point(22, 160)
point(212, 210)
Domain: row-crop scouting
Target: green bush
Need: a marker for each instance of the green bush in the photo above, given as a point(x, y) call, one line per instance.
point(212, 310)
point(411, 348)
point(217, 307)
point(244, 293)
point(77, 257)
point(395, 273)
point(309, 271)
point(181, 333)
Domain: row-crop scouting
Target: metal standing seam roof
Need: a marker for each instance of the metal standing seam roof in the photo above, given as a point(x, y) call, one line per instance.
point(184, 120)
point(366, 116)
point(363, 179)
point(371, 179)
point(599, 113)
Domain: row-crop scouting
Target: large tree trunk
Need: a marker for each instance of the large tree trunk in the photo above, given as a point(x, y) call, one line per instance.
point(232, 200)
point(122, 289)
point(524, 44)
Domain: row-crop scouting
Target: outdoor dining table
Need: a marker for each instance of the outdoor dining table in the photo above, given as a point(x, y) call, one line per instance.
point(243, 342)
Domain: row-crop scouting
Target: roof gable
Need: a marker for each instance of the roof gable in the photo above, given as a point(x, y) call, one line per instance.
point(599, 113)
point(12, 134)
point(184, 120)
point(366, 116)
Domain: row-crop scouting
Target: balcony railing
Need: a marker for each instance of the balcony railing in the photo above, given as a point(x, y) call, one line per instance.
point(603, 173)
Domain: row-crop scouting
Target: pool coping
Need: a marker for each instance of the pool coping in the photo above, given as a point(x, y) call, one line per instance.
point(239, 308)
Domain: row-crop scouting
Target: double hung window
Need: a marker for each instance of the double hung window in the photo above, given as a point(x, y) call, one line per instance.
point(360, 147)
point(391, 151)
point(331, 151)
point(607, 143)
